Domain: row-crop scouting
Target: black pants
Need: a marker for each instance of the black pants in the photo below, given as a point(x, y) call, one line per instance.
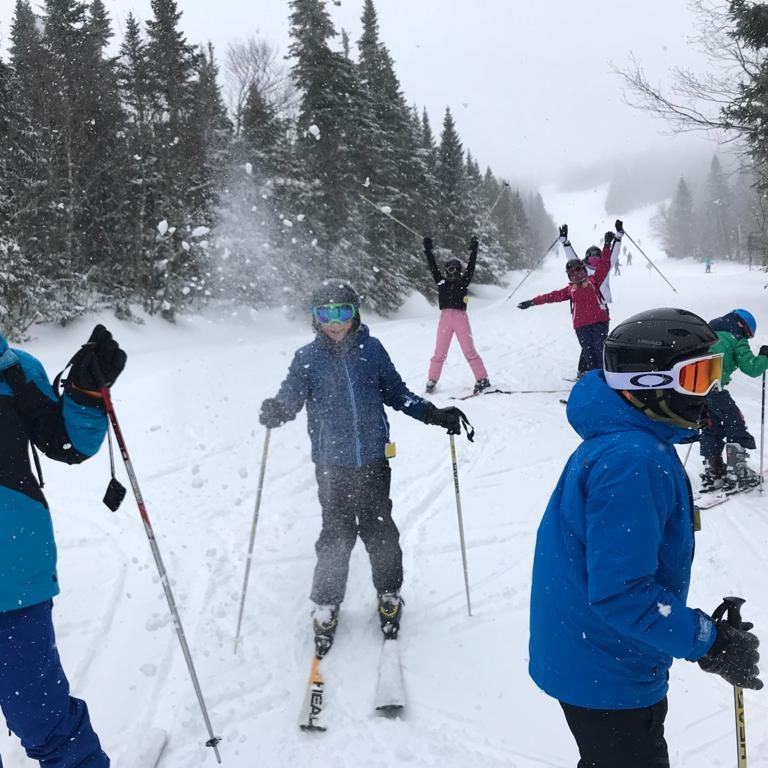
point(592, 340)
point(619, 738)
point(355, 501)
point(726, 424)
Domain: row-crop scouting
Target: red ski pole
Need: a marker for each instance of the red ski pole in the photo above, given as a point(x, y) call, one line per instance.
point(213, 740)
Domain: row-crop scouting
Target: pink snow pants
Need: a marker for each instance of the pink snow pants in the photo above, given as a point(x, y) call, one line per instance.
point(455, 321)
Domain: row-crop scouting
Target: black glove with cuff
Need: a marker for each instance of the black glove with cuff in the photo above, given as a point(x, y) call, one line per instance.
point(619, 227)
point(525, 304)
point(763, 350)
point(97, 363)
point(473, 245)
point(608, 239)
point(273, 413)
point(448, 418)
point(564, 231)
point(428, 245)
point(734, 656)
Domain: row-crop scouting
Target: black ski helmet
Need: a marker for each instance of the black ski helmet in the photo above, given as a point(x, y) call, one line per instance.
point(655, 340)
point(335, 291)
point(572, 265)
point(451, 265)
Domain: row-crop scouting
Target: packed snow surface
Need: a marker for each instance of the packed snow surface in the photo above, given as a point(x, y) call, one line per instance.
point(188, 404)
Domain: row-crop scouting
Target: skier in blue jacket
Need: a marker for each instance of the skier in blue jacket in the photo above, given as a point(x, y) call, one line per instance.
point(345, 378)
point(614, 549)
point(53, 726)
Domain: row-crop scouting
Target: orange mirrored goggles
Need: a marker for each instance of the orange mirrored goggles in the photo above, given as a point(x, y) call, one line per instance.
point(690, 377)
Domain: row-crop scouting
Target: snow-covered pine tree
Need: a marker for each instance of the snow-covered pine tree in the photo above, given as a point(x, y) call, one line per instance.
point(715, 234)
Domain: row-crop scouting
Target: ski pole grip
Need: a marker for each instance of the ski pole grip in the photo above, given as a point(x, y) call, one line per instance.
point(730, 609)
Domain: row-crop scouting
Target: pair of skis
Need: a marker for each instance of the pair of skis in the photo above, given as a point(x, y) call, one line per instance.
point(390, 690)
point(714, 499)
point(509, 392)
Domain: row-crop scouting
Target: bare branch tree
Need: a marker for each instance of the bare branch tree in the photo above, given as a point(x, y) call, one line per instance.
point(256, 62)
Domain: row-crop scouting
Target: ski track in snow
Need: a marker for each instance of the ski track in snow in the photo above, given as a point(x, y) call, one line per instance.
point(188, 404)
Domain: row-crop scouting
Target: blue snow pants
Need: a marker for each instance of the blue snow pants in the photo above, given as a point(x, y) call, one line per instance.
point(726, 425)
point(54, 728)
point(592, 340)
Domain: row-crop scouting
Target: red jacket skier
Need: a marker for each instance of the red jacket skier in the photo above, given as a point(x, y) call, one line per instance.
point(588, 308)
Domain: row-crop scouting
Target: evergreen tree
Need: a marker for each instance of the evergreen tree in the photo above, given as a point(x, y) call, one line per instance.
point(676, 225)
point(715, 233)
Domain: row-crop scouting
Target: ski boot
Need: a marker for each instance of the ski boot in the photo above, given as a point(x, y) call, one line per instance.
point(480, 385)
point(430, 388)
point(324, 621)
point(390, 610)
point(739, 474)
point(713, 476)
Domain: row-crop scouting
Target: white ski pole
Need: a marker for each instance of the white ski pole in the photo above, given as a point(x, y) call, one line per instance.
point(461, 523)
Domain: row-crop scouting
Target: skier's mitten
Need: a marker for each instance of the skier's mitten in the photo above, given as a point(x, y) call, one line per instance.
point(273, 413)
point(608, 239)
point(448, 418)
point(734, 656)
point(97, 363)
point(619, 227)
point(7, 356)
point(428, 245)
point(763, 350)
point(525, 304)
point(473, 245)
point(564, 231)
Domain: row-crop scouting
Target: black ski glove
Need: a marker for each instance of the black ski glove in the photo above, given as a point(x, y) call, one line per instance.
point(619, 226)
point(97, 363)
point(608, 239)
point(273, 413)
point(449, 418)
point(473, 245)
point(525, 304)
point(427, 245)
point(763, 350)
point(564, 231)
point(734, 656)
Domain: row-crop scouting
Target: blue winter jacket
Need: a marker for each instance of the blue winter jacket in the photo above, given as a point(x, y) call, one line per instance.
point(345, 386)
point(64, 430)
point(613, 561)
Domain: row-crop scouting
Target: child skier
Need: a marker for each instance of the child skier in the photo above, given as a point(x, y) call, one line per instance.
point(345, 377)
point(588, 309)
point(53, 726)
point(614, 549)
point(726, 423)
point(452, 299)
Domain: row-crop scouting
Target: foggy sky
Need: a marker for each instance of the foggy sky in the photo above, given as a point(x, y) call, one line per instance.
point(529, 82)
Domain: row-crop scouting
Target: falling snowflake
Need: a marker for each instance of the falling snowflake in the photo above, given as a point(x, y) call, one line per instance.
point(386, 209)
point(315, 131)
point(162, 227)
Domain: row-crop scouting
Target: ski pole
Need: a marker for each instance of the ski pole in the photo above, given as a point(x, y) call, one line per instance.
point(461, 523)
point(649, 261)
point(264, 455)
point(688, 453)
point(213, 741)
point(731, 608)
point(762, 434)
point(504, 188)
point(381, 210)
point(528, 274)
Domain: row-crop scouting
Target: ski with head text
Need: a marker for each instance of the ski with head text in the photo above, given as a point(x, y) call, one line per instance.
point(389, 698)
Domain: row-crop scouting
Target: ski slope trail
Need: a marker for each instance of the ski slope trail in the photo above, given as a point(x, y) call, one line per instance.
point(188, 404)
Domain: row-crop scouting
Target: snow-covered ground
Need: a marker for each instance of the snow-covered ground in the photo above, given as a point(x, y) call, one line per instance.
point(188, 404)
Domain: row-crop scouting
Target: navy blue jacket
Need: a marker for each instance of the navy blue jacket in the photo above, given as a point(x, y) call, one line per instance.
point(613, 560)
point(345, 387)
point(64, 430)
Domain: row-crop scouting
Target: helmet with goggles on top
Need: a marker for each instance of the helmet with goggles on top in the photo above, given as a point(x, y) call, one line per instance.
point(661, 363)
point(335, 301)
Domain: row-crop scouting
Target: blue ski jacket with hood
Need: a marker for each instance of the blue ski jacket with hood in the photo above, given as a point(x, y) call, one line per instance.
point(613, 560)
point(345, 386)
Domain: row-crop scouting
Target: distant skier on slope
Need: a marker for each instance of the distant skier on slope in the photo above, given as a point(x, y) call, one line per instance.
point(452, 298)
point(54, 727)
point(588, 309)
point(726, 424)
point(614, 549)
point(345, 377)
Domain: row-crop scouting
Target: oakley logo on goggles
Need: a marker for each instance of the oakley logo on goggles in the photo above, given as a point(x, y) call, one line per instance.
point(689, 377)
point(333, 313)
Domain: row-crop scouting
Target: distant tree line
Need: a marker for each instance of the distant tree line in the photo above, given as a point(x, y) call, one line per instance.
point(724, 220)
point(125, 180)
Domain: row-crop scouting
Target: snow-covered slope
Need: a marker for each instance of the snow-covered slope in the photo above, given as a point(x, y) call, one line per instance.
point(188, 403)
